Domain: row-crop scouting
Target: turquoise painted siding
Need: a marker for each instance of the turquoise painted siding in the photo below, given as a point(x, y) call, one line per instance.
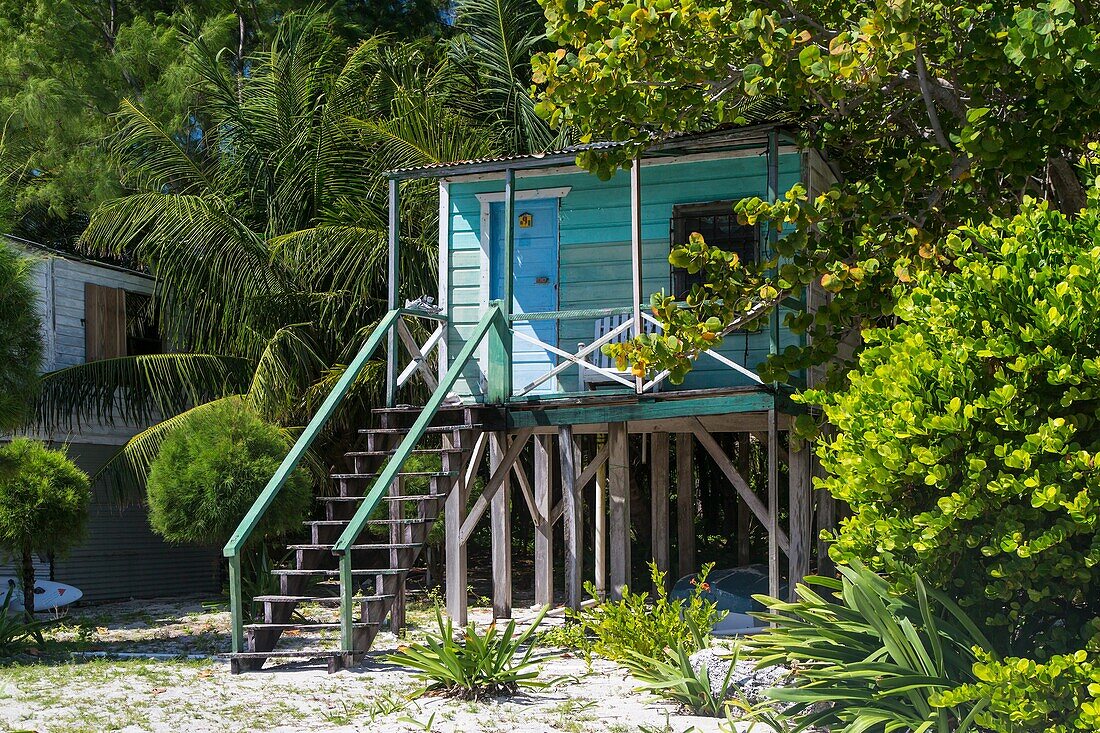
point(594, 231)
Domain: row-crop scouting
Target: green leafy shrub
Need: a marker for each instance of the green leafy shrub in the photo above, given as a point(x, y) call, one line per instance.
point(16, 633)
point(672, 676)
point(44, 501)
point(1061, 695)
point(210, 470)
point(637, 625)
point(967, 442)
point(20, 339)
point(493, 663)
point(872, 661)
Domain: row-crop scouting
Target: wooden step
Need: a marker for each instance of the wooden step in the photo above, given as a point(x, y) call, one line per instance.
point(307, 626)
point(287, 654)
point(416, 451)
point(336, 573)
point(376, 546)
point(403, 497)
point(428, 474)
point(329, 601)
point(428, 430)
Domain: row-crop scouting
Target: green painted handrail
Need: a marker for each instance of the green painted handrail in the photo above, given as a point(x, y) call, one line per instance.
point(492, 323)
point(234, 546)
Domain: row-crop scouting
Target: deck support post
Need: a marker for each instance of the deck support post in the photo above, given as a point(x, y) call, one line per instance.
point(393, 275)
point(500, 514)
point(744, 517)
point(801, 517)
point(685, 504)
point(658, 492)
point(636, 251)
point(454, 516)
point(773, 504)
point(618, 439)
point(572, 519)
point(599, 522)
point(826, 519)
point(544, 527)
point(398, 535)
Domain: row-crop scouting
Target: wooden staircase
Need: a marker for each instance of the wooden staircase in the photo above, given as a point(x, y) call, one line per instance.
point(309, 596)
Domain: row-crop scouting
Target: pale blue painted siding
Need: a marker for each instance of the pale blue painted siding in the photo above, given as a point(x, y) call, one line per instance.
point(594, 230)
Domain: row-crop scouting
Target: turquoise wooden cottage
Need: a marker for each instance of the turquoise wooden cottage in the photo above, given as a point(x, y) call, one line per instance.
point(541, 264)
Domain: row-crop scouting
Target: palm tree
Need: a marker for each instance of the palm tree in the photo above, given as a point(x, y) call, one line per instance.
point(267, 234)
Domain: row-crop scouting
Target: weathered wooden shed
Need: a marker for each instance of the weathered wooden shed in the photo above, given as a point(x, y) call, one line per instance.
point(90, 310)
point(540, 265)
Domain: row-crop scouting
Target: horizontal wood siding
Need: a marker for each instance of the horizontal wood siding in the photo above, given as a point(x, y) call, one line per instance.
point(594, 270)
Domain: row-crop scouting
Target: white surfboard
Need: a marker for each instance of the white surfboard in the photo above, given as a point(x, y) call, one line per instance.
point(48, 595)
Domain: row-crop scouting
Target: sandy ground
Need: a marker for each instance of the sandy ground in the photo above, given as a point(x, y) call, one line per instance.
point(68, 686)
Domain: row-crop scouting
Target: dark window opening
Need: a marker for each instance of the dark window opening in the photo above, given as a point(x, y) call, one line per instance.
point(142, 334)
point(718, 224)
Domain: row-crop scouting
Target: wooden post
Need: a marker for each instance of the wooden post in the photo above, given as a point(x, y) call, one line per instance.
point(599, 522)
point(571, 516)
point(397, 536)
point(636, 250)
point(619, 492)
point(773, 504)
point(454, 516)
point(826, 519)
point(544, 530)
point(500, 513)
point(744, 515)
point(685, 504)
point(658, 492)
point(393, 275)
point(798, 471)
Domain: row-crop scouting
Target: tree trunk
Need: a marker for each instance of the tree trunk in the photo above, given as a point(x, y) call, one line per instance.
point(28, 584)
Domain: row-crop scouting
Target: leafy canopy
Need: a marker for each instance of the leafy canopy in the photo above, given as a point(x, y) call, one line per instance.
point(210, 470)
point(934, 112)
point(20, 339)
point(269, 232)
point(43, 499)
point(967, 441)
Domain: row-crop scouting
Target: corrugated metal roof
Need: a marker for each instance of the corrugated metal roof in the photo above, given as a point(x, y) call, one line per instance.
point(662, 145)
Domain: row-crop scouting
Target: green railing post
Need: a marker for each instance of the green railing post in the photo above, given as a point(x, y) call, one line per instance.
point(236, 603)
point(492, 321)
point(499, 388)
point(247, 526)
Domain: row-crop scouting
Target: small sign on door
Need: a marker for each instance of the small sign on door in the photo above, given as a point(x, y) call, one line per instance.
point(526, 220)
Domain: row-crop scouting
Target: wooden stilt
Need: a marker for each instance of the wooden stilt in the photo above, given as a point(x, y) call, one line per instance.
point(397, 536)
point(500, 512)
point(773, 504)
point(685, 503)
point(455, 514)
point(744, 514)
point(599, 526)
point(798, 471)
point(826, 519)
point(544, 535)
point(571, 517)
point(619, 500)
point(658, 492)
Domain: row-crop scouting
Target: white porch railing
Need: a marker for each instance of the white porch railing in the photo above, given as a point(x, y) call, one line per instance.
point(620, 333)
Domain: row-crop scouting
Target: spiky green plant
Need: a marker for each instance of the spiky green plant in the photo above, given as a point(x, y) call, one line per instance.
point(497, 662)
point(871, 660)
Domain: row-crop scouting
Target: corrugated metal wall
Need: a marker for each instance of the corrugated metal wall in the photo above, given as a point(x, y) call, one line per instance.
point(122, 558)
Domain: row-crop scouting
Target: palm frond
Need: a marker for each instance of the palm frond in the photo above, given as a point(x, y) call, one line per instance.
point(154, 156)
point(123, 475)
point(136, 389)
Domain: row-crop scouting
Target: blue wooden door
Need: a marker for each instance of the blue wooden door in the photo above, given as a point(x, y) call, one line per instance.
point(535, 288)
